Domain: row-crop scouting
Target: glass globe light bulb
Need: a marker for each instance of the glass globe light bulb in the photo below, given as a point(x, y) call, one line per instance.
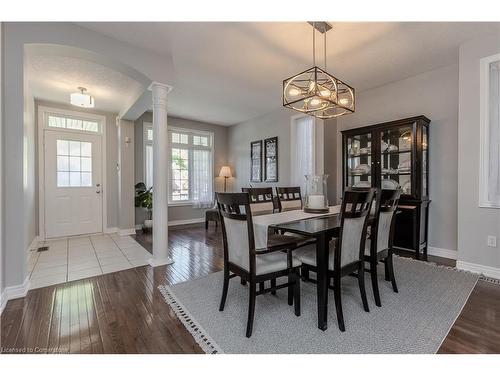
point(293, 92)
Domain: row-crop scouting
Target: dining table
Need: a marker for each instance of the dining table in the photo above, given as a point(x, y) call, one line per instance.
point(322, 227)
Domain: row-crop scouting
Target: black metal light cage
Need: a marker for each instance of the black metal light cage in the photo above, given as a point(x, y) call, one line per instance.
point(322, 81)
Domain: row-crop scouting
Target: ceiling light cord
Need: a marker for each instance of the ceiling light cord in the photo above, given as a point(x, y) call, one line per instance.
point(314, 43)
point(325, 48)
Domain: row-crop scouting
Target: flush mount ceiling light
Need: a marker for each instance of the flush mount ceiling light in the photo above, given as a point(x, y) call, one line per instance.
point(82, 99)
point(315, 91)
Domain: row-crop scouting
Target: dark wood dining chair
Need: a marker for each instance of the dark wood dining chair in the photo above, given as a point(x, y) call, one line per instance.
point(255, 266)
point(261, 200)
point(379, 244)
point(347, 251)
point(289, 198)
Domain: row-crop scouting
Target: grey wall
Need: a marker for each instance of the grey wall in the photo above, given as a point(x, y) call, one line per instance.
point(276, 123)
point(111, 185)
point(434, 94)
point(176, 213)
point(474, 223)
point(2, 218)
point(126, 175)
point(15, 37)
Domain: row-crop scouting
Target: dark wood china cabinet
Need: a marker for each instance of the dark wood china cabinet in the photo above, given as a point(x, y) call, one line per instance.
point(394, 155)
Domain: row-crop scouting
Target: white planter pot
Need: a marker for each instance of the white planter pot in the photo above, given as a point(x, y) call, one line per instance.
point(148, 223)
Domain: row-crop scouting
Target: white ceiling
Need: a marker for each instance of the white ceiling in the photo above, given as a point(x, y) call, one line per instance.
point(227, 73)
point(55, 77)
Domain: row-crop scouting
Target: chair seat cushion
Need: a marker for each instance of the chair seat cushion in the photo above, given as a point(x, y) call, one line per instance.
point(273, 262)
point(307, 255)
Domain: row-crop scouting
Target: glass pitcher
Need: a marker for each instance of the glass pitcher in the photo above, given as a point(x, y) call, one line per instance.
point(316, 200)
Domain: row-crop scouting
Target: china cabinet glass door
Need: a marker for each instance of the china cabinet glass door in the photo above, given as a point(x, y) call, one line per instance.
point(396, 158)
point(425, 168)
point(359, 160)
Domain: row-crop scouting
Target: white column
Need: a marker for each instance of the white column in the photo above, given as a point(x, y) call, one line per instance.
point(160, 175)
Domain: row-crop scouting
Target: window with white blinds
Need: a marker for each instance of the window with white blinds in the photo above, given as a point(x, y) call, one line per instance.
point(191, 165)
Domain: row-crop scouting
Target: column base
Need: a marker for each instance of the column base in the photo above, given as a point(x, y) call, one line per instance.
point(153, 262)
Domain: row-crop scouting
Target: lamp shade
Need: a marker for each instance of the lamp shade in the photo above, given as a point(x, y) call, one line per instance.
point(225, 171)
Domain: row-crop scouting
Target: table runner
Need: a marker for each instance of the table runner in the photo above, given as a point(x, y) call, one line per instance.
point(262, 222)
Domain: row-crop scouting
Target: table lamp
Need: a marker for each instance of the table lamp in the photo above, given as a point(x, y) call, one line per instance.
point(225, 172)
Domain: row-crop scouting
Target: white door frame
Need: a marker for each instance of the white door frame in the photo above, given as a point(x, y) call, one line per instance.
point(42, 110)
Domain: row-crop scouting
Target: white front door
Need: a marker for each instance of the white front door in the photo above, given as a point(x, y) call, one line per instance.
point(73, 183)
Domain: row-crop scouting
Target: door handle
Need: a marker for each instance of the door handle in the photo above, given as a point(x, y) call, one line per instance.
point(98, 192)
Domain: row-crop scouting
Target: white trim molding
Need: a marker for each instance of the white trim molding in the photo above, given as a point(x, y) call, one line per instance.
point(111, 230)
point(484, 132)
point(479, 268)
point(13, 292)
point(443, 253)
point(126, 232)
point(174, 223)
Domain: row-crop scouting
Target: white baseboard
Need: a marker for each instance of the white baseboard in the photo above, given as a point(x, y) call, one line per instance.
point(111, 230)
point(15, 291)
point(443, 253)
point(34, 243)
point(174, 223)
point(126, 232)
point(478, 268)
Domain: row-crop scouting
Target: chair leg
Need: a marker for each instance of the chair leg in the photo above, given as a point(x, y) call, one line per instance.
point(296, 293)
point(304, 272)
point(374, 277)
point(290, 288)
point(262, 286)
point(390, 267)
point(251, 308)
point(273, 285)
point(206, 224)
point(361, 282)
point(386, 271)
point(338, 301)
point(224, 289)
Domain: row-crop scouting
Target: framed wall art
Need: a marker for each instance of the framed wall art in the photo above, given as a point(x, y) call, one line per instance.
point(271, 159)
point(256, 161)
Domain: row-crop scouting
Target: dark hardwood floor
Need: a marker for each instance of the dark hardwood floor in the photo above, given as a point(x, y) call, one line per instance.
point(124, 312)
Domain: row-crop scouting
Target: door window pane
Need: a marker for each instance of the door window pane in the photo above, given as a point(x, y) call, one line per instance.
point(55, 121)
point(62, 179)
point(73, 170)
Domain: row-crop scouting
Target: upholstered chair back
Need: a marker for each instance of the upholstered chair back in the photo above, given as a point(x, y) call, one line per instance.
point(387, 202)
point(261, 200)
point(237, 229)
point(289, 198)
point(354, 212)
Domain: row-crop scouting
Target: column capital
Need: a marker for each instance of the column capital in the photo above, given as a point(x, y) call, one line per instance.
point(160, 87)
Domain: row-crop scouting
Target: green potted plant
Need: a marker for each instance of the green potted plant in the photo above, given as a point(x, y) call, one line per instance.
point(144, 199)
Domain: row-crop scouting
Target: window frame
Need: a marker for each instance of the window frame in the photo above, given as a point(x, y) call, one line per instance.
point(189, 146)
point(484, 162)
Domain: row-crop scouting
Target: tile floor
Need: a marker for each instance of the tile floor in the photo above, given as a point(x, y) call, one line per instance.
point(77, 258)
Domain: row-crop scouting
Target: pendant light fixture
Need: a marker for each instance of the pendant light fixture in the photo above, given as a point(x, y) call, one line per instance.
point(315, 91)
point(82, 99)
